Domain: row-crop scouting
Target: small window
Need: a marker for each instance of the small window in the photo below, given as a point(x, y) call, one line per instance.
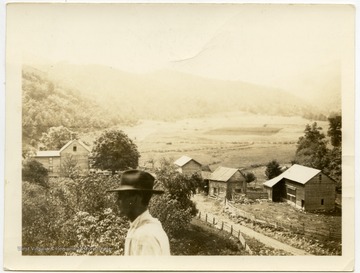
point(322, 201)
point(320, 177)
point(50, 169)
point(74, 148)
point(50, 161)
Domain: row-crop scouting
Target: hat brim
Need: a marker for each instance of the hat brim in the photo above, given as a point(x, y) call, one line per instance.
point(131, 188)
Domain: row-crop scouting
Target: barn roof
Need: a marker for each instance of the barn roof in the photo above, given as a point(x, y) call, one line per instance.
point(71, 141)
point(47, 153)
point(296, 173)
point(223, 174)
point(184, 160)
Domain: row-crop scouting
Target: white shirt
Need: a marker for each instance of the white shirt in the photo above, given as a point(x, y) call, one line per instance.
point(146, 237)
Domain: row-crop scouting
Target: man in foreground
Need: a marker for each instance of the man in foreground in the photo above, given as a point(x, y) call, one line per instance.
point(146, 235)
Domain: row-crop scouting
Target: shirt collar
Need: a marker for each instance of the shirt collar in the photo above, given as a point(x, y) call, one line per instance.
point(138, 219)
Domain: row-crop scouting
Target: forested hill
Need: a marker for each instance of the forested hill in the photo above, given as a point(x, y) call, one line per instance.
point(90, 97)
point(171, 95)
point(46, 104)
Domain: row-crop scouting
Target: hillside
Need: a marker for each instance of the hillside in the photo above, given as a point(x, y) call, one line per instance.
point(171, 95)
point(46, 104)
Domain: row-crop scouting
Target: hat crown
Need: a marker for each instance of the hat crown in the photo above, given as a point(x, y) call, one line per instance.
point(138, 179)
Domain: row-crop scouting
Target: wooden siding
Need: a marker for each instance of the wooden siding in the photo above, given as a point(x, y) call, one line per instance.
point(191, 167)
point(294, 193)
point(49, 162)
point(236, 183)
point(317, 190)
point(217, 188)
point(80, 154)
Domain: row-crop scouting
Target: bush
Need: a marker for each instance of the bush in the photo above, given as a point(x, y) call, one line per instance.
point(55, 218)
point(174, 208)
point(33, 171)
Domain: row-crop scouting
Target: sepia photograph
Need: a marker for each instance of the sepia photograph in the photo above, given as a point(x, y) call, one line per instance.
point(212, 136)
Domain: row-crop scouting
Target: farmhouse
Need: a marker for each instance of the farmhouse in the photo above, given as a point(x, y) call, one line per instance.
point(74, 150)
point(187, 165)
point(226, 181)
point(305, 188)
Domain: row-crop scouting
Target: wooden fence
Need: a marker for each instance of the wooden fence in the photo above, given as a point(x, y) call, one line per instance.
point(221, 225)
point(298, 228)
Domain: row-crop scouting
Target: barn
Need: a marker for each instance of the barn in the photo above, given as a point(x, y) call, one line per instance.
point(187, 165)
point(303, 187)
point(74, 150)
point(226, 181)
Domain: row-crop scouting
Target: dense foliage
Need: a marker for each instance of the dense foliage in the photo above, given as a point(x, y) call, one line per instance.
point(313, 149)
point(272, 169)
point(56, 137)
point(114, 150)
point(249, 177)
point(46, 104)
point(174, 209)
point(78, 217)
point(34, 172)
point(72, 217)
point(334, 131)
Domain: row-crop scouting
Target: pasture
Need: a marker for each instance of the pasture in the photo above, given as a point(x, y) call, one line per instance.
point(235, 139)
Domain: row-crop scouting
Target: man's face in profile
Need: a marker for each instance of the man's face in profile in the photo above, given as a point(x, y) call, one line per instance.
point(126, 201)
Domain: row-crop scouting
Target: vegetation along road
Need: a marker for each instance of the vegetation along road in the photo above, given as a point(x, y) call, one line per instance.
point(205, 205)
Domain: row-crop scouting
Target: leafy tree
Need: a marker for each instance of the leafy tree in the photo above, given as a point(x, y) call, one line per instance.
point(69, 167)
point(57, 137)
point(334, 155)
point(114, 150)
point(273, 169)
point(334, 131)
point(174, 208)
point(72, 217)
point(34, 172)
point(334, 167)
point(311, 148)
point(250, 177)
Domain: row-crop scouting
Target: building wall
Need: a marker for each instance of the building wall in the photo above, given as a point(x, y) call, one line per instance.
point(320, 193)
point(77, 152)
point(235, 184)
point(217, 188)
point(294, 194)
point(191, 167)
point(52, 164)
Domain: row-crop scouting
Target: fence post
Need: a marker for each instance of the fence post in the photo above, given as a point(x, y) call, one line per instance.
point(231, 230)
point(213, 220)
point(206, 218)
point(239, 234)
point(222, 225)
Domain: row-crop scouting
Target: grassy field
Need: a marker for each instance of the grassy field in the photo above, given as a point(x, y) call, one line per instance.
point(233, 139)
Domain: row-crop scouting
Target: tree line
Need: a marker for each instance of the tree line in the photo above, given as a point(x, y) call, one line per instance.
point(316, 151)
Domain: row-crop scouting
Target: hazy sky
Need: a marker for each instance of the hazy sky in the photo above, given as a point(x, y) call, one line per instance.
point(265, 44)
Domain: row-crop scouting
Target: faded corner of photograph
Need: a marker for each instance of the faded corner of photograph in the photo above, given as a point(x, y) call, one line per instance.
point(187, 130)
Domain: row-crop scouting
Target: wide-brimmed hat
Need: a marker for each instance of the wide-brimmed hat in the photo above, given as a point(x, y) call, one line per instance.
point(136, 180)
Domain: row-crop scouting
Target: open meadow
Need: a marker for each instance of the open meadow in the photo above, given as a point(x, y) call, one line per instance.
point(234, 139)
